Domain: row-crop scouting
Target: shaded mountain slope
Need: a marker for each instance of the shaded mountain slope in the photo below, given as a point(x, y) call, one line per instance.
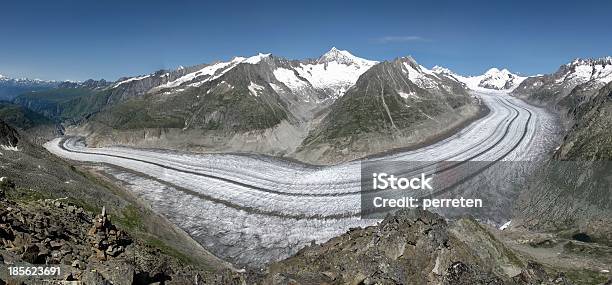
point(65, 104)
point(21, 117)
point(590, 138)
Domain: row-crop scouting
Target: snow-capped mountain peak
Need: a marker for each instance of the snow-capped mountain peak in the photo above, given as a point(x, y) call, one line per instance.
point(344, 57)
point(418, 74)
point(442, 70)
point(591, 61)
point(335, 54)
point(257, 58)
point(495, 72)
point(492, 79)
point(583, 70)
point(500, 79)
point(332, 73)
point(590, 73)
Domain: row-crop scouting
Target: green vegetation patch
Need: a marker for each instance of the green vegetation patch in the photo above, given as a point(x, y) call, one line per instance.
point(168, 250)
point(131, 219)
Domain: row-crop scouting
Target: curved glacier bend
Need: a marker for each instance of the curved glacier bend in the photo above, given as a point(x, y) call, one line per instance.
point(252, 210)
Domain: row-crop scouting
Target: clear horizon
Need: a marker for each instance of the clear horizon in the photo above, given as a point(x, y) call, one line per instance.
point(62, 40)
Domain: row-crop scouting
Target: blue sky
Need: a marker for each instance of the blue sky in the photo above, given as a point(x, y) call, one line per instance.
point(108, 39)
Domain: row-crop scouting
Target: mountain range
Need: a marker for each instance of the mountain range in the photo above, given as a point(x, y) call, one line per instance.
point(317, 110)
point(327, 109)
point(11, 87)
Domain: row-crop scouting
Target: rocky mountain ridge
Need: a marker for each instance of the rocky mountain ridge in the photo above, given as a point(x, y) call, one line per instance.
point(552, 89)
point(411, 247)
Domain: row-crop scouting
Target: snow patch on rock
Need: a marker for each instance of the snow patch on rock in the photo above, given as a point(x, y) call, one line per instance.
point(288, 77)
point(254, 89)
point(130, 80)
point(212, 71)
point(9, 148)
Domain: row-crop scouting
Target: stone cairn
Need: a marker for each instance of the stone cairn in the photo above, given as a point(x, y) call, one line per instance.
point(105, 239)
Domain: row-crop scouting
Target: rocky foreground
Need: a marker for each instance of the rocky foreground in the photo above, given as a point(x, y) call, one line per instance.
point(88, 248)
point(410, 247)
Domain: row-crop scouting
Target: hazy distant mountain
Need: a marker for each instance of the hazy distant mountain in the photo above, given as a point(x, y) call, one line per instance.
point(10, 87)
point(90, 83)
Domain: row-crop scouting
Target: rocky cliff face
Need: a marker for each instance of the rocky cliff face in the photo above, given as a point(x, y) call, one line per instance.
point(86, 248)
